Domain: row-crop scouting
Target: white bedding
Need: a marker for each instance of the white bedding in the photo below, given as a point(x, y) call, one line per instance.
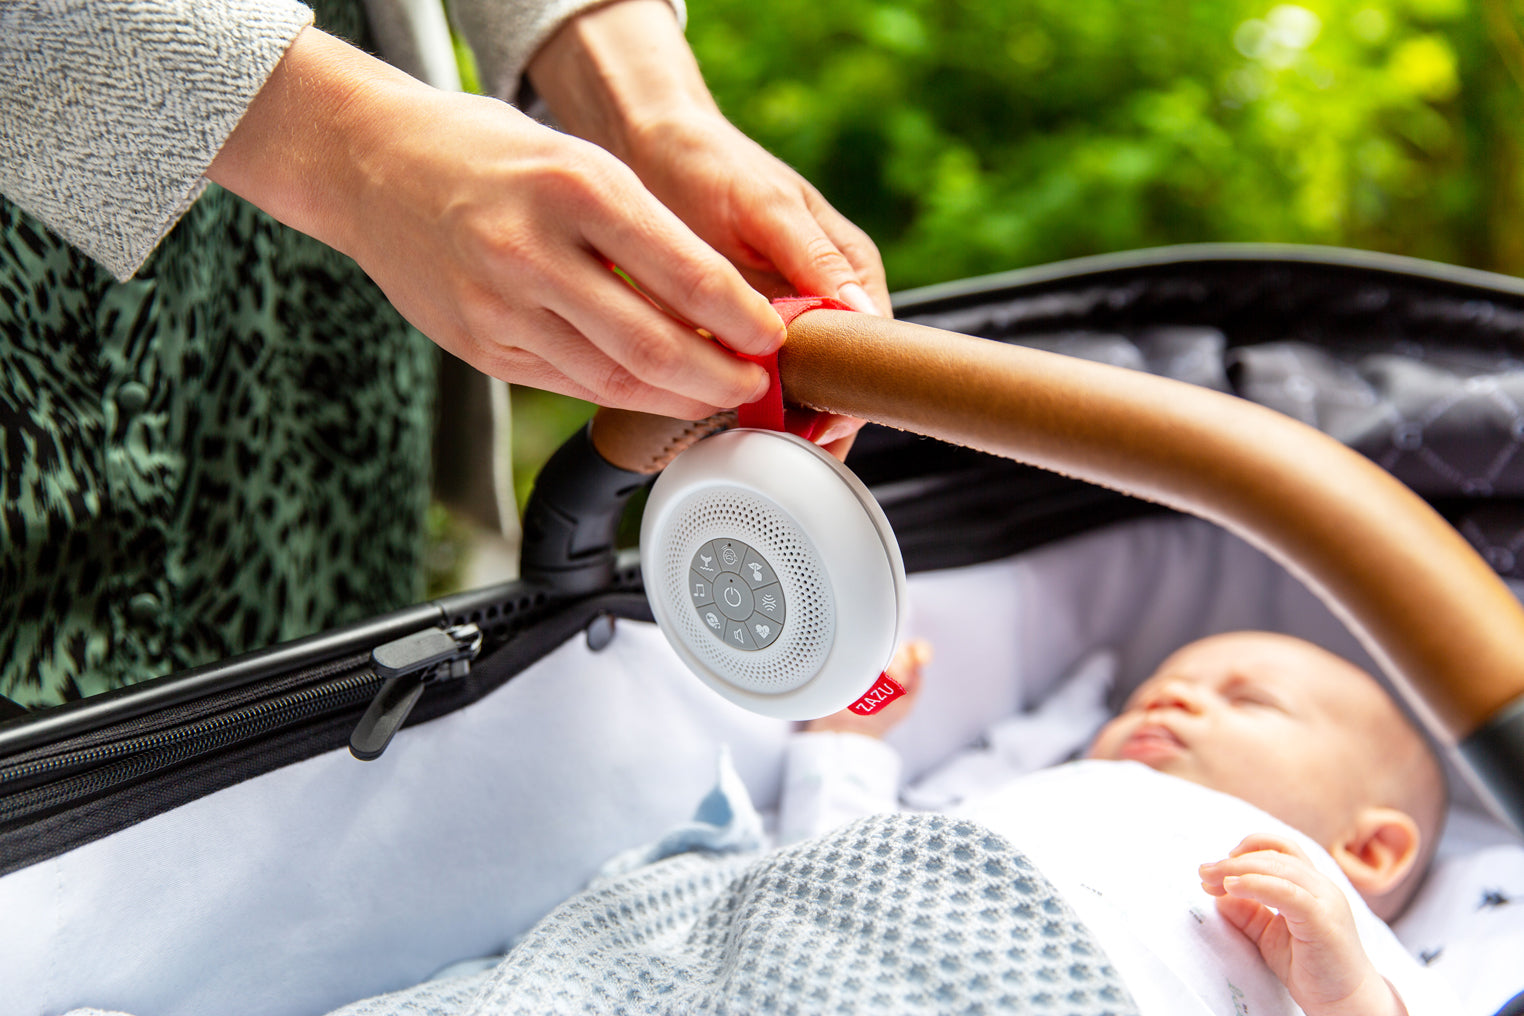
point(333, 880)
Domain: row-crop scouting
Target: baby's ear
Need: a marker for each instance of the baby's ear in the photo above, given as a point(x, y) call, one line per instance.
point(1378, 850)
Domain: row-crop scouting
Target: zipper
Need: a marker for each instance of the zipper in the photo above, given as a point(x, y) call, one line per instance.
point(401, 667)
point(407, 665)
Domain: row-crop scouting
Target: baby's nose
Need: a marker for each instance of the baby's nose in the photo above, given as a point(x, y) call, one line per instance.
point(1173, 694)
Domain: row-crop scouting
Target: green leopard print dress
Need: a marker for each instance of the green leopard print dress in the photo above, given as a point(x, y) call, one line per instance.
point(229, 450)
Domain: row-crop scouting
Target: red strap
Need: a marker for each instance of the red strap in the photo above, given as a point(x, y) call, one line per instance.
point(790, 307)
point(768, 412)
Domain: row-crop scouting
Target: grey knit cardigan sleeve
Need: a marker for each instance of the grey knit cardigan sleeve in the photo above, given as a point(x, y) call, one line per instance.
point(504, 34)
point(111, 110)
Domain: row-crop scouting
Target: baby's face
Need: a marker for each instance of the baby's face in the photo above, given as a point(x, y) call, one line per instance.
point(1270, 719)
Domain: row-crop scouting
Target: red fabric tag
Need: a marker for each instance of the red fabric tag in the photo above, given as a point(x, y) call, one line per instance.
point(884, 691)
point(768, 412)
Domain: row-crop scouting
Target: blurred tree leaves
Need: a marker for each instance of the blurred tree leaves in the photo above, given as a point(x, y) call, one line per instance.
point(969, 136)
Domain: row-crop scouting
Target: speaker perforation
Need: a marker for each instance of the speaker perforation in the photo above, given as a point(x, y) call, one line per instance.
point(739, 514)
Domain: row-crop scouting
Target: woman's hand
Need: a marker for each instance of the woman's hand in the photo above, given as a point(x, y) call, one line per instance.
point(491, 233)
point(1302, 925)
point(757, 211)
point(622, 76)
point(765, 218)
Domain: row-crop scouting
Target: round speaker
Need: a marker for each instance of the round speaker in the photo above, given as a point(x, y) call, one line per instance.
point(773, 573)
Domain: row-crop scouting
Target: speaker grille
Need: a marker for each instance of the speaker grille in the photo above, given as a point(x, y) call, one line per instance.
point(731, 512)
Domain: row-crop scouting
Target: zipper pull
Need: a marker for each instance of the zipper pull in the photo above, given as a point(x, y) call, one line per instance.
point(406, 665)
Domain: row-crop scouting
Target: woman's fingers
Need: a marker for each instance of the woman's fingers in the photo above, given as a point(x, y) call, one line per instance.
point(787, 231)
point(655, 349)
point(685, 275)
point(565, 362)
point(859, 250)
point(499, 258)
point(757, 211)
point(838, 434)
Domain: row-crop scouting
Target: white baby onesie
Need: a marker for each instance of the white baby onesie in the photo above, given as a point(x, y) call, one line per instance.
point(1122, 844)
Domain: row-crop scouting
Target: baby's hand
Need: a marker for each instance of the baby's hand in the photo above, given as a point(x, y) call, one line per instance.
point(905, 670)
point(1303, 926)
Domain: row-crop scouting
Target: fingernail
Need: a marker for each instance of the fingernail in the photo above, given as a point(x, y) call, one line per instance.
point(779, 337)
point(835, 432)
point(857, 298)
point(760, 391)
point(839, 427)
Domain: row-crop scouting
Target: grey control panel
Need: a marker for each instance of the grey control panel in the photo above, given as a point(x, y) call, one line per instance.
point(737, 595)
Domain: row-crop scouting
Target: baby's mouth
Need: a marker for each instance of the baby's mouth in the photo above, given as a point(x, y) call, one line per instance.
point(1152, 743)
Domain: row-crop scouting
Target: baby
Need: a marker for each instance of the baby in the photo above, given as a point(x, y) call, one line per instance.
point(1070, 889)
point(1313, 741)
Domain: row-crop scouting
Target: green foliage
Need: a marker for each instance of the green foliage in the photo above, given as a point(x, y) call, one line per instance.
point(541, 423)
point(970, 136)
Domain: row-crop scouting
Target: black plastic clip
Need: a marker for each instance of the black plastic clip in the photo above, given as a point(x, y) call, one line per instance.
point(406, 665)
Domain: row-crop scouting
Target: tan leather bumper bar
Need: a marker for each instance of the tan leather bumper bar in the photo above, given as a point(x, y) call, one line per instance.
point(1426, 606)
point(643, 443)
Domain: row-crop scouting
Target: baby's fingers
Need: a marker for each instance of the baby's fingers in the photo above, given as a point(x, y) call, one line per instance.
point(908, 660)
point(1247, 916)
point(1263, 855)
point(1269, 841)
point(1311, 906)
point(1283, 881)
point(1292, 901)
